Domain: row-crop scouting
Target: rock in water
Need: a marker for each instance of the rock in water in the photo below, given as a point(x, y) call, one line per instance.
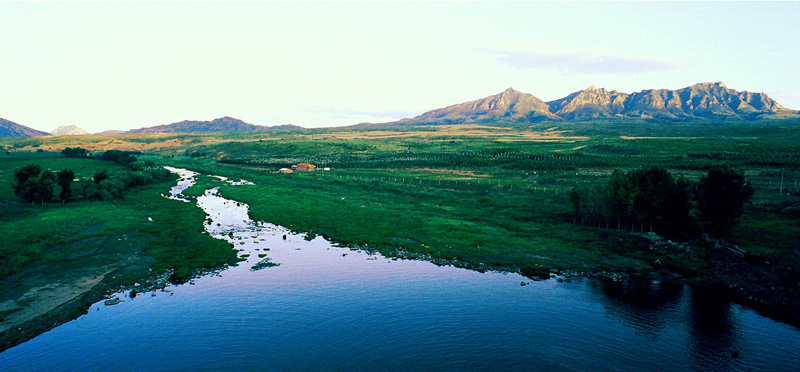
point(112, 301)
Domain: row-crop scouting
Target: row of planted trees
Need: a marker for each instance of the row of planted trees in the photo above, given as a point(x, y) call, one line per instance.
point(652, 199)
point(35, 185)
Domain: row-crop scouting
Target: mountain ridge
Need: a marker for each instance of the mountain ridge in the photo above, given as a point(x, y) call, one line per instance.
point(223, 124)
point(698, 102)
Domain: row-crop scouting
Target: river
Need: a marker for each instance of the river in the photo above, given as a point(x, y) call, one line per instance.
point(311, 305)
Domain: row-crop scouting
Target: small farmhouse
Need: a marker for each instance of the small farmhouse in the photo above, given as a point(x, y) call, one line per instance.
point(286, 170)
point(304, 167)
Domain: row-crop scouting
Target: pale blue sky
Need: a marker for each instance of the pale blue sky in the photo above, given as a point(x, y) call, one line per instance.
point(117, 65)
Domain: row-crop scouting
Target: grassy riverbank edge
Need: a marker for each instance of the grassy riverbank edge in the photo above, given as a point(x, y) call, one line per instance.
point(80, 252)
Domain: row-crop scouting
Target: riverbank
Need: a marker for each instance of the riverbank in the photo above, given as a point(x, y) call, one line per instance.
point(771, 286)
point(40, 299)
point(768, 287)
point(59, 258)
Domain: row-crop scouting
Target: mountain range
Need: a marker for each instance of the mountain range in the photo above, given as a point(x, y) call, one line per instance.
point(225, 124)
point(699, 102)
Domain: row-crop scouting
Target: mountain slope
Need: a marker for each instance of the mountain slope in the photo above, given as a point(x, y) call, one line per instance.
point(510, 105)
point(11, 129)
point(225, 124)
point(111, 132)
point(68, 130)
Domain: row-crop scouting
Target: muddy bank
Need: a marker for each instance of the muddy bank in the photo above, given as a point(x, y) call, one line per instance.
point(35, 301)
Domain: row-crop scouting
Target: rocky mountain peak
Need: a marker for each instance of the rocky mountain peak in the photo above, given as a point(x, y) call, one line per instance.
point(707, 86)
point(229, 119)
point(69, 130)
point(509, 91)
point(590, 103)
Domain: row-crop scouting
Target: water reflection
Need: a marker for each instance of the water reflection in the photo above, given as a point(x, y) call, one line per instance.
point(713, 337)
point(649, 307)
point(662, 310)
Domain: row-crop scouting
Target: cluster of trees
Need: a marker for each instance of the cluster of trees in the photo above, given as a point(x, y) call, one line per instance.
point(652, 199)
point(720, 196)
point(76, 152)
point(36, 186)
point(119, 157)
point(33, 185)
point(196, 154)
point(110, 186)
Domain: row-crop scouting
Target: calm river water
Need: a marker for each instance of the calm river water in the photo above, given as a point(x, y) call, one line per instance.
point(325, 308)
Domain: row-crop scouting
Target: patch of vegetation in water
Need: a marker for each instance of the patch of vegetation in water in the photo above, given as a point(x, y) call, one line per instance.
point(263, 264)
point(534, 272)
point(202, 183)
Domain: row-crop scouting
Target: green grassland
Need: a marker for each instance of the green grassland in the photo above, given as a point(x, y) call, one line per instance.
point(86, 233)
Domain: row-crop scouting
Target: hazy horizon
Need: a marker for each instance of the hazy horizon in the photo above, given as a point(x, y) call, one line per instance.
point(121, 66)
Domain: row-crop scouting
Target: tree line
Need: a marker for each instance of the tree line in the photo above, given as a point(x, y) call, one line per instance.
point(117, 156)
point(35, 185)
point(652, 199)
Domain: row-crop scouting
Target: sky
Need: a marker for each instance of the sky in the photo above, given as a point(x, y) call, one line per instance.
point(125, 65)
